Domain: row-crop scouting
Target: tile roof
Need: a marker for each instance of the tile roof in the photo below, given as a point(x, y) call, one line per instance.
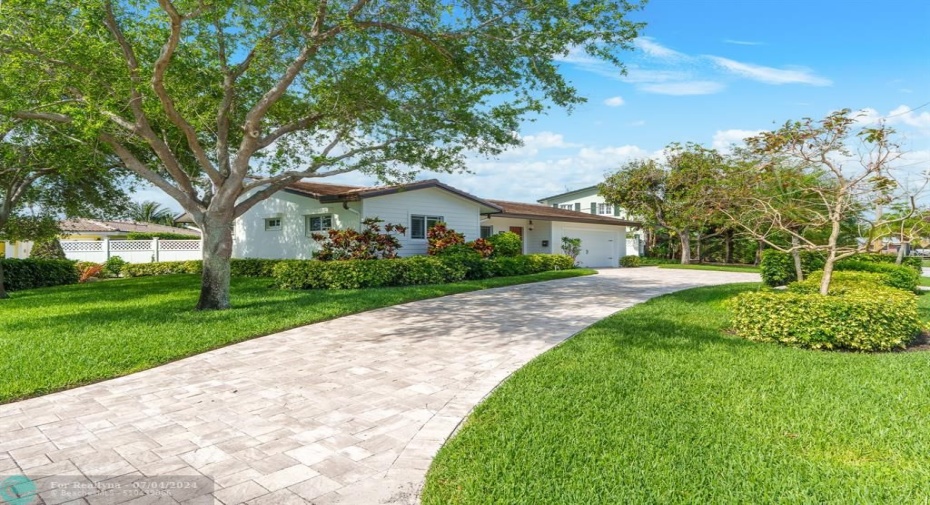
point(93, 225)
point(337, 193)
point(545, 212)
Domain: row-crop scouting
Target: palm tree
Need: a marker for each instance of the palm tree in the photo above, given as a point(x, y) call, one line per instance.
point(150, 212)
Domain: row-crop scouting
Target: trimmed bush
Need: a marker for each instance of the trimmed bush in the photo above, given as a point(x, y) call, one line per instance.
point(777, 268)
point(897, 276)
point(19, 274)
point(162, 268)
point(874, 319)
point(630, 261)
point(113, 266)
point(246, 267)
point(47, 250)
point(459, 256)
point(912, 262)
point(506, 244)
point(253, 267)
point(356, 274)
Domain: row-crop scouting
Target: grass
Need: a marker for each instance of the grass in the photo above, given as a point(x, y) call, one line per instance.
point(55, 338)
point(925, 281)
point(657, 404)
point(721, 268)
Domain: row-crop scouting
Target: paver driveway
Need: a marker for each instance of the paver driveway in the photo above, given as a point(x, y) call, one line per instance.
point(346, 411)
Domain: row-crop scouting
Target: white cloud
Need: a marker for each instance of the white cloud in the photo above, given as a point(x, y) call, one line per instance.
point(684, 88)
point(656, 50)
point(770, 75)
point(906, 115)
point(614, 101)
point(742, 42)
point(641, 122)
point(724, 139)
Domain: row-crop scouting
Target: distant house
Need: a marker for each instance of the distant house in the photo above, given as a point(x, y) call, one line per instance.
point(86, 230)
point(589, 201)
point(280, 226)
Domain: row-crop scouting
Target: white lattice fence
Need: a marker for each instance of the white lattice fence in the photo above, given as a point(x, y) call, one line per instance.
point(133, 251)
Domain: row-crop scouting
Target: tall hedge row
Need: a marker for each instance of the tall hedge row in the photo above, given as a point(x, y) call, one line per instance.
point(19, 274)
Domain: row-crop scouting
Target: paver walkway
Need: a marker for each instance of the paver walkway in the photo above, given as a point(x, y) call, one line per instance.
point(345, 411)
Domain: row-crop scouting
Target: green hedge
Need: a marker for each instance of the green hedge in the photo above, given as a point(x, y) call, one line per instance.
point(863, 318)
point(246, 267)
point(909, 261)
point(630, 261)
point(843, 282)
point(897, 276)
point(356, 274)
point(19, 274)
point(777, 268)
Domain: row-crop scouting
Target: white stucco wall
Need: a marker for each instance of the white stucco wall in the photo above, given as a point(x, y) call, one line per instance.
point(251, 240)
point(533, 235)
point(460, 214)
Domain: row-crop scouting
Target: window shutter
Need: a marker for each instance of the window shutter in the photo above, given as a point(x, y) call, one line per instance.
point(577, 207)
point(593, 208)
point(617, 210)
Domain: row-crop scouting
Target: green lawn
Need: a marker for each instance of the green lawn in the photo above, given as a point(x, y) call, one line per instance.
point(925, 281)
point(722, 268)
point(657, 404)
point(56, 338)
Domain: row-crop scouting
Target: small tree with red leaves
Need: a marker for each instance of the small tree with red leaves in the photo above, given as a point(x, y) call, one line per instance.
point(441, 237)
point(371, 243)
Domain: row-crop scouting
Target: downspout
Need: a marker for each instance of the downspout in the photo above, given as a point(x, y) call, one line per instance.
point(358, 228)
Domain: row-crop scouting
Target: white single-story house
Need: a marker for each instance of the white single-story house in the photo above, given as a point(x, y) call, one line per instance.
point(280, 226)
point(589, 200)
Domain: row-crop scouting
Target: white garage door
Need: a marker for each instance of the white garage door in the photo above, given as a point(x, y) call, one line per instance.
point(597, 247)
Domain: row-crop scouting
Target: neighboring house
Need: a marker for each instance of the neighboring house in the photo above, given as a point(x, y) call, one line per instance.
point(589, 201)
point(280, 226)
point(89, 240)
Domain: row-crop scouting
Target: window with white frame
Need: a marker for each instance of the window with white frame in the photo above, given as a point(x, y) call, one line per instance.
point(605, 208)
point(321, 222)
point(567, 206)
point(272, 223)
point(419, 225)
point(487, 231)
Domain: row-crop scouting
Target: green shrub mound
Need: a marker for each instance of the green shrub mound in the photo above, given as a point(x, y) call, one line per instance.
point(246, 267)
point(896, 276)
point(857, 315)
point(416, 270)
point(630, 261)
point(912, 262)
point(777, 268)
point(506, 244)
point(843, 282)
point(19, 274)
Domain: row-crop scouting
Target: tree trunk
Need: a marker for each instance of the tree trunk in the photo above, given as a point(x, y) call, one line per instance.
point(759, 253)
point(901, 249)
point(728, 245)
point(217, 251)
point(796, 254)
point(3, 293)
point(697, 248)
point(831, 258)
point(685, 238)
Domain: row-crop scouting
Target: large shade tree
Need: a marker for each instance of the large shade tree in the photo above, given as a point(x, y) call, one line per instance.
point(673, 194)
point(221, 104)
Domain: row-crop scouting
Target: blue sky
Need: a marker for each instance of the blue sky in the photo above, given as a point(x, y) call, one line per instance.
point(713, 71)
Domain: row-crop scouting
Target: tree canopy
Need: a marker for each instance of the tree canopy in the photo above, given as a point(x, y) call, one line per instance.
point(222, 104)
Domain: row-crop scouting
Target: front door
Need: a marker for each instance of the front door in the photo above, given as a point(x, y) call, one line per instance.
point(519, 231)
